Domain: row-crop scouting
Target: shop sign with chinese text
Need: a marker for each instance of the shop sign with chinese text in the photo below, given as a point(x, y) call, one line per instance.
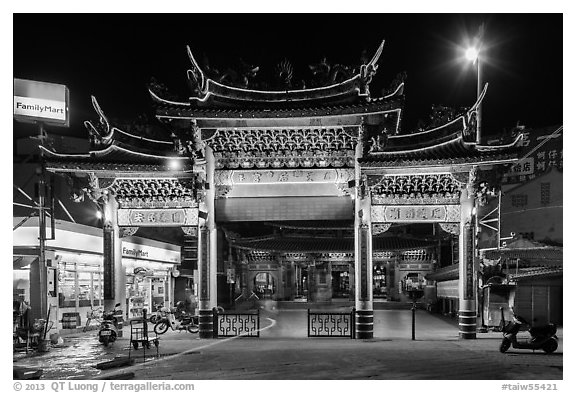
point(546, 149)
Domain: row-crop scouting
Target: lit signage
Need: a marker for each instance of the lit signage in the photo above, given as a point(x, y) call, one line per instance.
point(145, 252)
point(41, 102)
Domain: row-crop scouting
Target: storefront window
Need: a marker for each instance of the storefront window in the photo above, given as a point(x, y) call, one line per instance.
point(67, 285)
point(85, 289)
point(138, 293)
point(98, 286)
point(80, 285)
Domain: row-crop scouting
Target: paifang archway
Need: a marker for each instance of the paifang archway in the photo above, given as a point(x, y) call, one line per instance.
point(333, 152)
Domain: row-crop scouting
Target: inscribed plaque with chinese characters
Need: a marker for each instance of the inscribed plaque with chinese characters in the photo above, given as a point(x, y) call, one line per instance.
point(415, 213)
point(158, 217)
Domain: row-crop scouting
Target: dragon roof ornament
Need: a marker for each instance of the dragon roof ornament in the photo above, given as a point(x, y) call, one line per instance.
point(101, 133)
point(205, 88)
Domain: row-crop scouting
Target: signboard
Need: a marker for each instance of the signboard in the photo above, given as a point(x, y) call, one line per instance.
point(204, 265)
point(469, 262)
point(415, 213)
point(41, 102)
point(108, 265)
point(546, 149)
point(158, 217)
point(363, 263)
point(142, 251)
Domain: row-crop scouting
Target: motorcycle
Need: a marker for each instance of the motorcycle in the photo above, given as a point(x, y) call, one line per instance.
point(542, 337)
point(183, 322)
point(108, 332)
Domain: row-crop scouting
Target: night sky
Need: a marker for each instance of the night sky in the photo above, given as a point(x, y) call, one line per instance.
point(114, 56)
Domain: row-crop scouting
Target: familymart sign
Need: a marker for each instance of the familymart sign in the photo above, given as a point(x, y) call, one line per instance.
point(41, 102)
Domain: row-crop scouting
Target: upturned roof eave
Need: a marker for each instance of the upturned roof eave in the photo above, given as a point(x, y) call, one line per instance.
point(115, 147)
point(340, 111)
point(206, 87)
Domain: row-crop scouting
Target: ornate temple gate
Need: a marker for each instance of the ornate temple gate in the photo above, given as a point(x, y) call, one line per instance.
point(250, 154)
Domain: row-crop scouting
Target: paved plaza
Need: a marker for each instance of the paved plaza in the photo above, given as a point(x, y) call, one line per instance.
point(285, 352)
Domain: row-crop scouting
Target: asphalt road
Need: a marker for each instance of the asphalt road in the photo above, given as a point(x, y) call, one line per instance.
point(283, 352)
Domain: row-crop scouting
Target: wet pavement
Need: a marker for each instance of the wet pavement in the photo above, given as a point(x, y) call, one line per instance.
point(284, 351)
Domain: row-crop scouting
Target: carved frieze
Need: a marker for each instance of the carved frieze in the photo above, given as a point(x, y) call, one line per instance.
point(128, 231)
point(190, 231)
point(222, 191)
point(282, 148)
point(399, 188)
point(154, 192)
point(304, 159)
point(415, 213)
point(415, 199)
point(452, 228)
point(472, 177)
point(380, 228)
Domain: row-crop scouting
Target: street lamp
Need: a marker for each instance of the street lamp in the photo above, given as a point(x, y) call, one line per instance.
point(473, 55)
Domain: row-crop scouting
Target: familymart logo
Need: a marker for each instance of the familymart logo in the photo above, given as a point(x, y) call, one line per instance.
point(38, 107)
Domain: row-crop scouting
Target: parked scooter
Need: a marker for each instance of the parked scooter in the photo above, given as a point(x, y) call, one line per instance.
point(542, 337)
point(183, 322)
point(108, 332)
point(158, 315)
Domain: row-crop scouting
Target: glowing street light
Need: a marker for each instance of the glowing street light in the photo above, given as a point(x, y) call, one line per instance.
point(472, 54)
point(98, 214)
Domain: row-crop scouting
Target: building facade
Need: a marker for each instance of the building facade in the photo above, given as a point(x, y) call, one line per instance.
point(72, 283)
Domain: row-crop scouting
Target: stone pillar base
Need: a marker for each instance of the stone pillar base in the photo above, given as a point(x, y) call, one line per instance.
point(364, 324)
point(206, 324)
point(467, 324)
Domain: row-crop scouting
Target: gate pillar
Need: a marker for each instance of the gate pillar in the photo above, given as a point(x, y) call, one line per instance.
point(363, 262)
point(114, 271)
point(466, 289)
point(207, 258)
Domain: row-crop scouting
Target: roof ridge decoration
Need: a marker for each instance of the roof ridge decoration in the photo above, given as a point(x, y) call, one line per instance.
point(104, 133)
point(205, 88)
point(464, 131)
